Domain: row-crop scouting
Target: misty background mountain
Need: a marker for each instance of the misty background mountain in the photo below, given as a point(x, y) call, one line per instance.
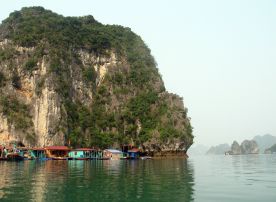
point(219, 149)
point(263, 141)
point(197, 149)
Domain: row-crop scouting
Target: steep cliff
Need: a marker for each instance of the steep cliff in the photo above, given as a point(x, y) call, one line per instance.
point(246, 147)
point(265, 141)
point(249, 147)
point(75, 81)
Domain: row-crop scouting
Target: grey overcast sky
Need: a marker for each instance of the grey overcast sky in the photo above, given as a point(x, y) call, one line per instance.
point(218, 55)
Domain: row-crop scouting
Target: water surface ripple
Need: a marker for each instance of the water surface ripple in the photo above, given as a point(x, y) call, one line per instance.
point(202, 178)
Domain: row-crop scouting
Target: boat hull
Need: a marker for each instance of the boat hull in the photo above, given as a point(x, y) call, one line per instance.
point(14, 157)
point(84, 159)
point(60, 158)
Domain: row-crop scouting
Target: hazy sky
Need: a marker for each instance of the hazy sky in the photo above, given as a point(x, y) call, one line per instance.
point(220, 56)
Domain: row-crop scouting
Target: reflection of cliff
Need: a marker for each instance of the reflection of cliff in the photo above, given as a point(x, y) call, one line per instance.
point(32, 180)
point(4, 178)
point(40, 182)
point(159, 180)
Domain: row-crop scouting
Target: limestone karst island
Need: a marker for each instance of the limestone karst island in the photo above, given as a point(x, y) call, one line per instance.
point(74, 84)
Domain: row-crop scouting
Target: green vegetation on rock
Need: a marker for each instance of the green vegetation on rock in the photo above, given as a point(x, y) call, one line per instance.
point(128, 105)
point(17, 112)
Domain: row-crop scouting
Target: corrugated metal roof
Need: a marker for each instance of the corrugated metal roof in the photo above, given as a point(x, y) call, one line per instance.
point(65, 148)
point(114, 151)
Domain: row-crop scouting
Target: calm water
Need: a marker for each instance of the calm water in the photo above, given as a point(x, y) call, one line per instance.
point(206, 178)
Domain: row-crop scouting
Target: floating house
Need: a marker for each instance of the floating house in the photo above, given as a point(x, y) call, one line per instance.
point(113, 154)
point(133, 153)
point(24, 152)
point(82, 154)
point(57, 152)
point(38, 153)
point(14, 157)
point(97, 154)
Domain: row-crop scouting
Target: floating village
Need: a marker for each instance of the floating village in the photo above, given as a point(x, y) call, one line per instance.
point(14, 153)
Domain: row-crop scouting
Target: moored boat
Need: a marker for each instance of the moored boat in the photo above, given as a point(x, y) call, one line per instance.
point(145, 157)
point(14, 157)
point(25, 153)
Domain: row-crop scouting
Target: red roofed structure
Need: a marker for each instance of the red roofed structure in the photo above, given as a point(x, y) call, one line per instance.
point(57, 152)
point(38, 149)
point(58, 148)
point(84, 149)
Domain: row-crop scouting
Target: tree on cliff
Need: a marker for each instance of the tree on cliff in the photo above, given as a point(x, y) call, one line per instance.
point(90, 84)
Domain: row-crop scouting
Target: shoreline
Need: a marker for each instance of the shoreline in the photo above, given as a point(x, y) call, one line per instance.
point(170, 155)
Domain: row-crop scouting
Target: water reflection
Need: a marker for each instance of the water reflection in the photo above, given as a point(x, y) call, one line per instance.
point(153, 180)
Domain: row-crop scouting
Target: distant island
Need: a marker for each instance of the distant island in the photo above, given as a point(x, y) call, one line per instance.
point(258, 145)
point(265, 141)
point(246, 147)
point(271, 150)
point(197, 150)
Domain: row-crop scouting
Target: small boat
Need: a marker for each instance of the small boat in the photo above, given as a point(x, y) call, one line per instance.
point(14, 157)
point(145, 157)
point(82, 158)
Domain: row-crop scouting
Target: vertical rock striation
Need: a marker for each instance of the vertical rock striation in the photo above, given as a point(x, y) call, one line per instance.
point(75, 81)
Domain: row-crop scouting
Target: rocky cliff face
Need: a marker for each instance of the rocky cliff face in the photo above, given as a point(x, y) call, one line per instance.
point(77, 82)
point(246, 147)
point(235, 148)
point(249, 147)
point(265, 141)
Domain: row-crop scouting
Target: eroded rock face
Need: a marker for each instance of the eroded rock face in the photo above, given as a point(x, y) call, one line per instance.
point(84, 84)
point(235, 148)
point(46, 118)
point(38, 91)
point(5, 131)
point(179, 119)
point(249, 147)
point(246, 147)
